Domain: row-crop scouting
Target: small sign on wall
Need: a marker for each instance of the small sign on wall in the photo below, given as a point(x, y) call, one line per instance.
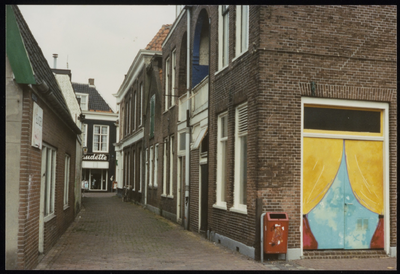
point(37, 125)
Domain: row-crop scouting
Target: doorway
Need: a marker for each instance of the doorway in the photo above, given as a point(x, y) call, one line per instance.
point(343, 194)
point(180, 190)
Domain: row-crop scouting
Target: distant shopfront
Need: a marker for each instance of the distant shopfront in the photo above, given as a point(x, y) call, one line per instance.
point(95, 172)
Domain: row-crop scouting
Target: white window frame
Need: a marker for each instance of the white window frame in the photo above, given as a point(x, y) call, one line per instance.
point(67, 168)
point(140, 169)
point(171, 166)
point(164, 192)
point(147, 166)
point(173, 77)
point(241, 124)
point(151, 167)
point(167, 84)
point(85, 95)
point(49, 180)
point(84, 134)
point(155, 165)
point(134, 112)
point(108, 138)
point(141, 104)
point(221, 162)
point(242, 29)
point(223, 36)
point(134, 170)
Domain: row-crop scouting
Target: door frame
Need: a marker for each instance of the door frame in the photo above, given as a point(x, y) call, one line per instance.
point(384, 107)
point(179, 190)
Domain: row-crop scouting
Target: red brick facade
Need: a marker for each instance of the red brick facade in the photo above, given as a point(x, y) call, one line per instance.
point(58, 135)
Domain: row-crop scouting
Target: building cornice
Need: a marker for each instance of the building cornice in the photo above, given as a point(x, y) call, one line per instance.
point(133, 72)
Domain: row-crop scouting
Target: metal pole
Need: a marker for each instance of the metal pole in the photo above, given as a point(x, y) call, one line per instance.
point(187, 158)
point(262, 237)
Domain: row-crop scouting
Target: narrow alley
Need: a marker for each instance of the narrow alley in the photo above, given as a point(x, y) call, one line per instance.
point(111, 235)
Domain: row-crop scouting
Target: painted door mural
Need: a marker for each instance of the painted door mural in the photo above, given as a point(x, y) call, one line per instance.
point(342, 194)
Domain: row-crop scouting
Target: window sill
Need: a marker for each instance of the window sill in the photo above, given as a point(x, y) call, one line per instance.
point(65, 207)
point(239, 210)
point(240, 55)
point(222, 69)
point(163, 195)
point(49, 217)
point(170, 196)
point(223, 207)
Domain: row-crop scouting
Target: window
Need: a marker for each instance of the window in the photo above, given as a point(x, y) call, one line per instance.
point(242, 29)
point(133, 170)
point(100, 138)
point(84, 135)
point(173, 78)
point(152, 110)
point(147, 166)
point(134, 111)
point(155, 165)
point(240, 189)
point(167, 84)
point(165, 167)
point(127, 168)
point(223, 36)
point(222, 139)
point(151, 167)
point(127, 116)
point(83, 100)
point(171, 164)
point(140, 169)
point(49, 156)
point(141, 104)
point(66, 179)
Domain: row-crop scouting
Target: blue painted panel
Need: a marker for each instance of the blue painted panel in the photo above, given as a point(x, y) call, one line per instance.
point(326, 219)
point(360, 223)
point(339, 220)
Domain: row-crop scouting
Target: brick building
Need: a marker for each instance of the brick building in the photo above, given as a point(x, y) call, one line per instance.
point(297, 95)
point(139, 104)
point(42, 146)
point(98, 136)
point(279, 109)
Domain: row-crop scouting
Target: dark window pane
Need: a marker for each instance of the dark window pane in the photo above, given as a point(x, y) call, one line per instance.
point(342, 119)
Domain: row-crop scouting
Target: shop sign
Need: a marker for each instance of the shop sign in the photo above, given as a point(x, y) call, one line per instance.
point(95, 157)
point(37, 121)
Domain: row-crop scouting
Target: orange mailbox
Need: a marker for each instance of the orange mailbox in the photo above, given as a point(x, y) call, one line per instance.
point(276, 225)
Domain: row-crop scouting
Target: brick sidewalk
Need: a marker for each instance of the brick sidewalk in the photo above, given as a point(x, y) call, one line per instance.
point(111, 235)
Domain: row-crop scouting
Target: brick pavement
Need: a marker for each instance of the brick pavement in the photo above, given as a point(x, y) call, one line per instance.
point(111, 235)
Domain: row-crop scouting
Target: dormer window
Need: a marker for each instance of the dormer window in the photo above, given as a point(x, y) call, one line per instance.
point(83, 100)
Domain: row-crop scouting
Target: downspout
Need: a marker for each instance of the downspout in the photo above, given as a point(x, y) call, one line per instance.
point(187, 155)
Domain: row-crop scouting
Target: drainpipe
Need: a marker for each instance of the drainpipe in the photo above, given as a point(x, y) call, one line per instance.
point(187, 155)
point(262, 237)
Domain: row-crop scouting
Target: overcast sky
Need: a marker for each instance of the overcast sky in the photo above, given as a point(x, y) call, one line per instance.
point(97, 42)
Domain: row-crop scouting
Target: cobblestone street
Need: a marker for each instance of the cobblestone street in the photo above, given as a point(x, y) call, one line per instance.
point(111, 235)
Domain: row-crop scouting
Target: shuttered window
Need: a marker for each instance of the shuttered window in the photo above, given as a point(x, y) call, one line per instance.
point(240, 193)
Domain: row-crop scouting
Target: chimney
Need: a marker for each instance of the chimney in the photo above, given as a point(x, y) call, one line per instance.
point(55, 55)
point(91, 82)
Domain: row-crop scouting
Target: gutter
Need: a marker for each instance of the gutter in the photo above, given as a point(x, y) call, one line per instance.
point(54, 104)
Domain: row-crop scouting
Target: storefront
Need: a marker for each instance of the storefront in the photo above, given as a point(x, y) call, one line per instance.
point(345, 175)
point(95, 169)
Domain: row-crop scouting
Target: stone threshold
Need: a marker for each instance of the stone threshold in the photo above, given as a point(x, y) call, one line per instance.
point(343, 254)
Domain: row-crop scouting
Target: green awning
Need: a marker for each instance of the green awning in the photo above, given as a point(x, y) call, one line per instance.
point(16, 51)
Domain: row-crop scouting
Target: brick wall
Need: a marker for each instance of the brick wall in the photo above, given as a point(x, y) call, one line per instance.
point(58, 135)
point(349, 52)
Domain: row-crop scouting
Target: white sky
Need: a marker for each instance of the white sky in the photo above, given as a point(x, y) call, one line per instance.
point(97, 41)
